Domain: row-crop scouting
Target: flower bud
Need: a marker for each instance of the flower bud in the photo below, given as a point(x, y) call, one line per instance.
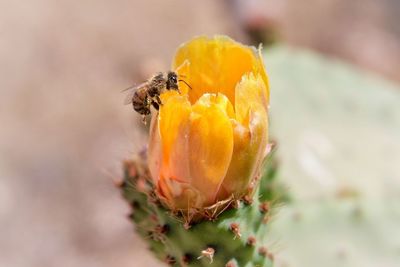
point(208, 141)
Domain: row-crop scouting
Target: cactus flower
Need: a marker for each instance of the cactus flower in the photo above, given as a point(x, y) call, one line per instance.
point(208, 141)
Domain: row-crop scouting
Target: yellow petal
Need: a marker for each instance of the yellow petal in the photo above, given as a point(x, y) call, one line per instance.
point(211, 146)
point(220, 100)
point(216, 65)
point(184, 75)
point(249, 147)
point(173, 122)
point(259, 68)
point(179, 195)
point(154, 150)
point(250, 93)
point(250, 136)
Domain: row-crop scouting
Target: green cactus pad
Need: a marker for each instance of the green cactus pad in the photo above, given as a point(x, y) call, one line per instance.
point(234, 237)
point(338, 130)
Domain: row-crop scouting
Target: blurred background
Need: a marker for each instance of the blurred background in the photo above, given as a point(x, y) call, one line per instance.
point(334, 68)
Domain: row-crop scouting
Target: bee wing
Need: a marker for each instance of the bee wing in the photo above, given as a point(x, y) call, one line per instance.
point(131, 91)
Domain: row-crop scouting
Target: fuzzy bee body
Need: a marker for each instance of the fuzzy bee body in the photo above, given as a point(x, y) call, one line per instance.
point(147, 94)
point(140, 101)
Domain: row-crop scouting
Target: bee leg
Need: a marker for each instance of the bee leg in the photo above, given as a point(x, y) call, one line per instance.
point(158, 99)
point(144, 119)
point(155, 105)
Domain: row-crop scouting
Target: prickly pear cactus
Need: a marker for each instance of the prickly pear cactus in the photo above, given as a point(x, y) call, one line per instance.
point(235, 236)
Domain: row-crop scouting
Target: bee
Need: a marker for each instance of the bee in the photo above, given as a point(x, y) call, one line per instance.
point(147, 94)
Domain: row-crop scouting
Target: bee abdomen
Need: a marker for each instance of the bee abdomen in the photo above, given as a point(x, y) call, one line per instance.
point(138, 101)
point(141, 109)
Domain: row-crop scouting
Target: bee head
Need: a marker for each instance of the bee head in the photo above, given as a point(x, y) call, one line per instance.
point(172, 81)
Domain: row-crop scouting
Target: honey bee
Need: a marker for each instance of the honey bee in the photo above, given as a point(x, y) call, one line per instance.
point(147, 94)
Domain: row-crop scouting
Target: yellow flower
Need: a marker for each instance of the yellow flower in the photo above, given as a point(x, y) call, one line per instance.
point(207, 143)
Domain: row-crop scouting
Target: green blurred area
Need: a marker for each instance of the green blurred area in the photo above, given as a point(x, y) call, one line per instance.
point(338, 131)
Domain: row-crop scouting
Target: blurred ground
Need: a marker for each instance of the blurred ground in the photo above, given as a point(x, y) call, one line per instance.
point(65, 131)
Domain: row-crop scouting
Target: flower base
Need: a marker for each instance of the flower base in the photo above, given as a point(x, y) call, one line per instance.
point(233, 236)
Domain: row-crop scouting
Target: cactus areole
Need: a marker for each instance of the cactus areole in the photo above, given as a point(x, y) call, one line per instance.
point(196, 195)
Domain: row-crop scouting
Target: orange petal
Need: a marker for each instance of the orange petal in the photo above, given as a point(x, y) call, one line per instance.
point(211, 146)
point(216, 65)
point(179, 195)
point(250, 136)
point(154, 150)
point(220, 100)
point(173, 122)
point(249, 148)
point(259, 68)
point(250, 93)
point(184, 74)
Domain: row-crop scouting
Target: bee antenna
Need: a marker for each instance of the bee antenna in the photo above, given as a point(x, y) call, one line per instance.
point(185, 83)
